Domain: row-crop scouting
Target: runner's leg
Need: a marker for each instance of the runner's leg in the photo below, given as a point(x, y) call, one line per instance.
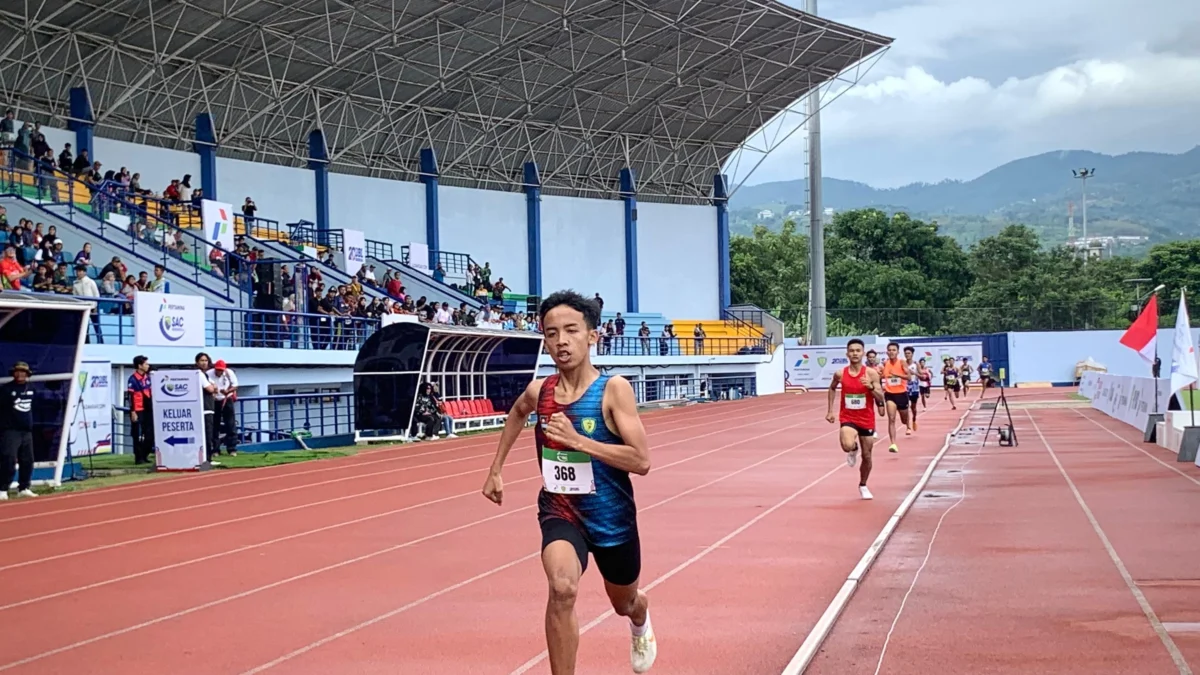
point(620, 566)
point(866, 445)
point(891, 415)
point(848, 437)
point(564, 555)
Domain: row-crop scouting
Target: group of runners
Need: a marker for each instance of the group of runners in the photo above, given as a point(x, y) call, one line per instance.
point(589, 439)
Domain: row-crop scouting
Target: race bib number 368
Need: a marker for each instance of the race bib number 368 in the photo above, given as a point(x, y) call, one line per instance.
point(567, 472)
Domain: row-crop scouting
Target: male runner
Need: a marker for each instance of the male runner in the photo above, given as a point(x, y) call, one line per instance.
point(965, 375)
point(913, 387)
point(857, 432)
point(895, 392)
point(925, 375)
point(873, 364)
point(589, 439)
point(950, 381)
point(985, 376)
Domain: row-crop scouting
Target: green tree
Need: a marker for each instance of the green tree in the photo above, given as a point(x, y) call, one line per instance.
point(770, 269)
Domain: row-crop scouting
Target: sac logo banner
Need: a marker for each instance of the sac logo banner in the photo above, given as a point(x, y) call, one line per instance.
point(168, 320)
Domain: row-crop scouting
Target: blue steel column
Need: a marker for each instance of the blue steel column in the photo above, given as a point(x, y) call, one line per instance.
point(429, 176)
point(318, 161)
point(629, 196)
point(82, 121)
point(721, 201)
point(533, 226)
point(205, 145)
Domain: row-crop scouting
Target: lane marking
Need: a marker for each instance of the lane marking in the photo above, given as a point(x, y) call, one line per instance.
point(471, 444)
point(367, 556)
point(1151, 616)
point(808, 649)
point(356, 495)
point(1178, 627)
point(1135, 447)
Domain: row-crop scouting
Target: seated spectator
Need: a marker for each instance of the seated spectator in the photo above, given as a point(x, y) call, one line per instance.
point(84, 257)
point(12, 272)
point(427, 414)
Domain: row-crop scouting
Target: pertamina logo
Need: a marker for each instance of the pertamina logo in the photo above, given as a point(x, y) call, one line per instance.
point(803, 360)
point(171, 322)
point(220, 226)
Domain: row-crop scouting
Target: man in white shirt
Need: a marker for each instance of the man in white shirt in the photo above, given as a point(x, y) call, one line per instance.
point(443, 313)
point(159, 284)
point(85, 287)
point(226, 398)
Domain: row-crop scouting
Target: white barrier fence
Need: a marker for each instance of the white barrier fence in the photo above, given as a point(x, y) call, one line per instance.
point(1124, 397)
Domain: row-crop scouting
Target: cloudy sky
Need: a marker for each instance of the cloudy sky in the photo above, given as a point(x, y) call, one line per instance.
point(971, 84)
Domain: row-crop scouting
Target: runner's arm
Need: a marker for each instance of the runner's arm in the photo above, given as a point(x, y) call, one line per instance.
point(525, 405)
point(833, 386)
point(634, 455)
point(875, 384)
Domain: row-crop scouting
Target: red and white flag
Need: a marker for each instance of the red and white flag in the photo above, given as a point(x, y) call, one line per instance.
point(1142, 336)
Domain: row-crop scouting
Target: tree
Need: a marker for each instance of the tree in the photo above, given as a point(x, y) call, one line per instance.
point(770, 269)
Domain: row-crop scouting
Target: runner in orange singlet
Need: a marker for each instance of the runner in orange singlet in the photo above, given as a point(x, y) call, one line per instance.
point(895, 392)
point(859, 385)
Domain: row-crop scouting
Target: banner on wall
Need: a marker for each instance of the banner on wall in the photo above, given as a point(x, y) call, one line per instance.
point(813, 367)
point(418, 257)
point(217, 218)
point(354, 251)
point(1124, 397)
point(91, 433)
point(179, 440)
point(162, 320)
point(934, 354)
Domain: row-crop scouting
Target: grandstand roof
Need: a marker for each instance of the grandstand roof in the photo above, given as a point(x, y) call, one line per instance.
point(585, 87)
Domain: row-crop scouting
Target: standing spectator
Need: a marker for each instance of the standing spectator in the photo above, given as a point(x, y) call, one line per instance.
point(249, 208)
point(141, 410)
point(600, 302)
point(16, 431)
point(203, 364)
point(85, 287)
point(159, 283)
point(226, 397)
point(699, 335)
point(644, 334)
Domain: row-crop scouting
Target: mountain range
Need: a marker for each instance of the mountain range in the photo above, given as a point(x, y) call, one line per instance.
point(1138, 194)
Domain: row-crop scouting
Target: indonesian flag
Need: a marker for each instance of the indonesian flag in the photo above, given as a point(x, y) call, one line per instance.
point(1142, 335)
point(1183, 353)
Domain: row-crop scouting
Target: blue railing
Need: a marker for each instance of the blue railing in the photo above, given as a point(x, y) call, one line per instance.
point(112, 323)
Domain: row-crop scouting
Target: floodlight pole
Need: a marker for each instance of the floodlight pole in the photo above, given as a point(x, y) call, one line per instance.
point(816, 213)
point(1083, 175)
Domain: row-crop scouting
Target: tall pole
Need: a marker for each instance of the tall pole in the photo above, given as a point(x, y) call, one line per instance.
point(816, 213)
point(1083, 175)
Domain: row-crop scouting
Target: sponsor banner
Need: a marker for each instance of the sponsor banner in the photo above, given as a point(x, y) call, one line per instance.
point(163, 320)
point(813, 367)
point(91, 434)
point(179, 441)
point(354, 251)
point(418, 257)
point(934, 354)
point(217, 218)
point(1124, 397)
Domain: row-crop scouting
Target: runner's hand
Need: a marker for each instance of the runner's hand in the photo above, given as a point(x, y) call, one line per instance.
point(560, 430)
point(493, 488)
point(830, 417)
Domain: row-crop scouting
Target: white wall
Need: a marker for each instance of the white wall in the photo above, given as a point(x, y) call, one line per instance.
point(490, 226)
point(390, 211)
point(1051, 356)
point(677, 260)
point(583, 247)
point(158, 166)
point(284, 194)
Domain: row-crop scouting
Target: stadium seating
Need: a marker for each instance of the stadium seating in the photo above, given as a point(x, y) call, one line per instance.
point(732, 338)
point(474, 414)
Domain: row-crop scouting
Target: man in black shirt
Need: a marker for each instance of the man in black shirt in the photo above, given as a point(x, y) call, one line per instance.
point(16, 431)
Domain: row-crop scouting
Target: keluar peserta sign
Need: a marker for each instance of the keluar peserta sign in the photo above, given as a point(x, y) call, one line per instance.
point(168, 320)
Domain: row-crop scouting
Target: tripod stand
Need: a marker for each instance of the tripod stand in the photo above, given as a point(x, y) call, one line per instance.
point(1007, 434)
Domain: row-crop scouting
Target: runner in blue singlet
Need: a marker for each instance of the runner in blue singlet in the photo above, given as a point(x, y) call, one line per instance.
point(589, 438)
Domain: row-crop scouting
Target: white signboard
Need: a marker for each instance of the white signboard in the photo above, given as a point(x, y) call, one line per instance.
point(91, 434)
point(813, 367)
point(354, 251)
point(217, 218)
point(168, 320)
point(935, 352)
point(1124, 397)
point(418, 257)
point(179, 442)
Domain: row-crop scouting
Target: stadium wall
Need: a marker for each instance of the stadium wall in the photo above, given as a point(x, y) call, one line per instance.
point(384, 210)
point(583, 247)
point(1051, 356)
point(492, 227)
point(677, 260)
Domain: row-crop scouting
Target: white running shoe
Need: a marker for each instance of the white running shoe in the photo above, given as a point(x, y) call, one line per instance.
point(643, 651)
point(4, 496)
point(27, 493)
point(866, 494)
point(852, 458)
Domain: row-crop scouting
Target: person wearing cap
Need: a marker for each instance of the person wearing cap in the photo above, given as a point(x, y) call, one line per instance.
point(16, 431)
point(226, 397)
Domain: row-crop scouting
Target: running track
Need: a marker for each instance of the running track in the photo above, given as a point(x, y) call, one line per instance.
point(392, 562)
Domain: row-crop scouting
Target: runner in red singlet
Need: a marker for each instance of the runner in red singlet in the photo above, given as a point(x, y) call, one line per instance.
point(859, 384)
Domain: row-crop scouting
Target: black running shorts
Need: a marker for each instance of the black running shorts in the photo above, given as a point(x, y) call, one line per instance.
point(863, 433)
point(620, 565)
point(900, 400)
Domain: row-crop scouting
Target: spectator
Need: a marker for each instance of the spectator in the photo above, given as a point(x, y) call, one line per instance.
point(85, 287)
point(443, 313)
point(159, 283)
point(12, 272)
point(427, 414)
point(82, 162)
point(65, 162)
point(249, 208)
point(84, 257)
point(225, 397)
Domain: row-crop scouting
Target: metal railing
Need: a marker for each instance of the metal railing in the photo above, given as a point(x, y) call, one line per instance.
point(626, 345)
point(705, 387)
point(380, 250)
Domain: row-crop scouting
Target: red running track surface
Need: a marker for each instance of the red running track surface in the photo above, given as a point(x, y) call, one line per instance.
point(1041, 555)
point(393, 562)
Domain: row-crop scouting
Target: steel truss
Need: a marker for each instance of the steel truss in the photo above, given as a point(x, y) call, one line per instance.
point(672, 88)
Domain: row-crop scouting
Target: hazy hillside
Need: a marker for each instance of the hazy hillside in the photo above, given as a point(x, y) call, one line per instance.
point(1137, 194)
